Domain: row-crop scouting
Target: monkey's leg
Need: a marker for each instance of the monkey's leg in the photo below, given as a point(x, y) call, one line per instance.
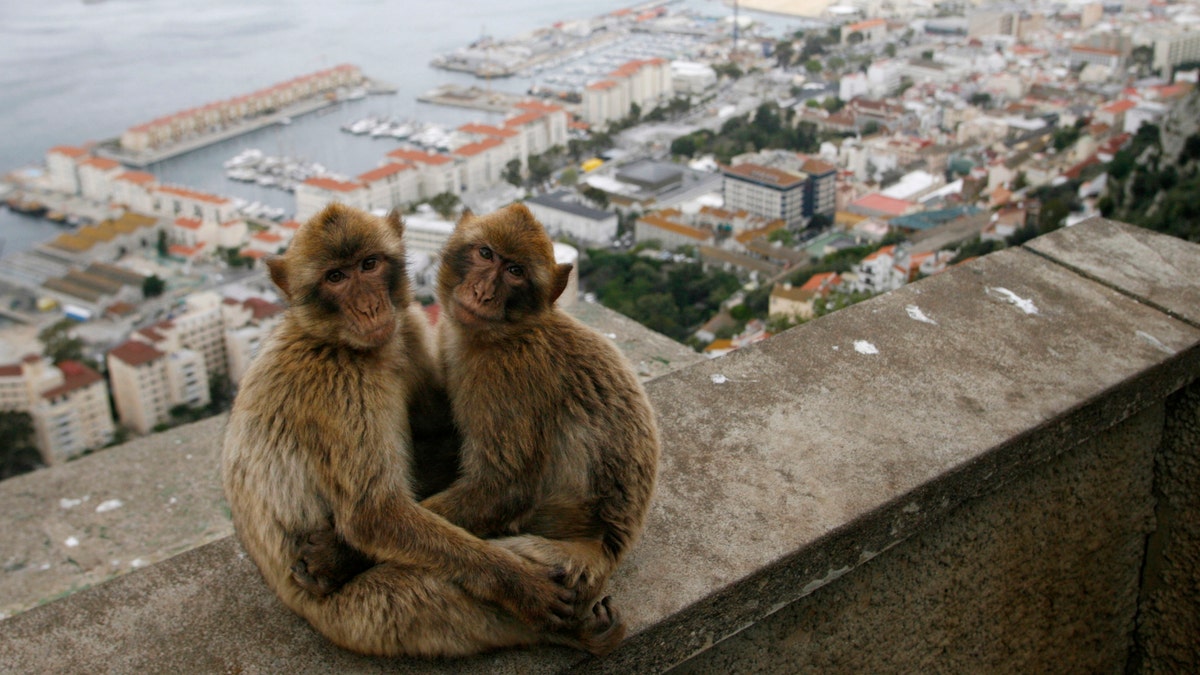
point(599, 627)
point(397, 610)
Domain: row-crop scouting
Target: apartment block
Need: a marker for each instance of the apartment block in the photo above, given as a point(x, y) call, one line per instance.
point(646, 83)
point(147, 383)
point(67, 402)
point(766, 191)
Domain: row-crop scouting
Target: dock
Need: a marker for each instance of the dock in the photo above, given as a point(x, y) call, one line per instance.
point(111, 147)
point(475, 98)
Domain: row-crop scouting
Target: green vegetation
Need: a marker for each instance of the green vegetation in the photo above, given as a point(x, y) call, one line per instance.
point(445, 204)
point(672, 298)
point(61, 346)
point(18, 452)
point(770, 128)
point(153, 286)
point(1148, 188)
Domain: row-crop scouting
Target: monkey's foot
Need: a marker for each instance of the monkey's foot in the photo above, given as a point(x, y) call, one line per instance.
point(326, 563)
point(601, 630)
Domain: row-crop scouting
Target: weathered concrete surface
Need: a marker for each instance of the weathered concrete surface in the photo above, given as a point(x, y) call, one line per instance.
point(1158, 270)
point(1039, 576)
point(1169, 630)
point(59, 539)
point(786, 466)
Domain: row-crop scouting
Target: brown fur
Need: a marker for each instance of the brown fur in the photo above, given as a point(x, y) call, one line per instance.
point(560, 444)
point(316, 438)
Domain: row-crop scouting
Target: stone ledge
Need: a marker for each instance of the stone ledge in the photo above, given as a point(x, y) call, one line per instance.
point(786, 466)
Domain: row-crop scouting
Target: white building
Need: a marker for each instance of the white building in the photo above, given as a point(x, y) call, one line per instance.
point(689, 77)
point(766, 191)
point(147, 383)
point(391, 185)
point(564, 213)
point(315, 194)
point(132, 190)
point(68, 404)
point(247, 324)
point(171, 200)
point(96, 176)
point(435, 173)
point(62, 168)
point(645, 83)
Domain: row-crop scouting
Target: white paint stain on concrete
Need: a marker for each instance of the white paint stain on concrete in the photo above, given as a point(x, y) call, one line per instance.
point(817, 583)
point(109, 505)
point(1155, 342)
point(71, 542)
point(718, 378)
point(1024, 304)
point(916, 314)
point(864, 347)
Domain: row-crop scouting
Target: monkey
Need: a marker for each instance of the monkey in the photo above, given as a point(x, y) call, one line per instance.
point(318, 440)
point(560, 445)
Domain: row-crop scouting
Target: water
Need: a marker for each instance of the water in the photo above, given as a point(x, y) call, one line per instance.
point(73, 72)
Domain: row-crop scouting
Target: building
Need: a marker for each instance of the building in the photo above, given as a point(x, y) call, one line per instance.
point(96, 176)
point(147, 383)
point(67, 402)
point(564, 213)
point(869, 31)
point(435, 173)
point(131, 189)
point(391, 185)
point(768, 192)
point(174, 201)
point(247, 324)
point(483, 163)
point(644, 83)
point(797, 302)
point(314, 194)
point(667, 228)
point(62, 168)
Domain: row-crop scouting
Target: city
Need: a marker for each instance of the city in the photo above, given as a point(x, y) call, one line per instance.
point(884, 141)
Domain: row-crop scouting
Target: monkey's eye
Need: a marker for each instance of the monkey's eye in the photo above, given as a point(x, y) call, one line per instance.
point(516, 270)
point(485, 253)
point(335, 276)
point(369, 264)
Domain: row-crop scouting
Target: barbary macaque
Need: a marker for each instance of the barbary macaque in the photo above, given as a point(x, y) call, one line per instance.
point(560, 445)
point(319, 440)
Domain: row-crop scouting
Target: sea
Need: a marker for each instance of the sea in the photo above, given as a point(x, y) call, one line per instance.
point(80, 71)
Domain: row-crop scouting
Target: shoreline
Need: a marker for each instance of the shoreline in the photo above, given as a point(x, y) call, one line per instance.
point(804, 9)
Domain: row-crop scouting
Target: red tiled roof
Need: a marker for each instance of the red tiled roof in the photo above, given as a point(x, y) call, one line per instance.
point(189, 223)
point(75, 376)
point(765, 174)
point(261, 308)
point(418, 156)
point(138, 177)
point(135, 353)
point(102, 163)
point(333, 185)
point(472, 149)
point(191, 194)
point(390, 169)
point(69, 151)
point(487, 130)
point(886, 205)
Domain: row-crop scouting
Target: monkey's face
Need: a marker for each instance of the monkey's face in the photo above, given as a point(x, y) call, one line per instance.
point(344, 276)
point(497, 269)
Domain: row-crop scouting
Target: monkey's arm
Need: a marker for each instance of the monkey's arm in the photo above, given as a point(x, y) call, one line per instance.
point(385, 524)
point(501, 476)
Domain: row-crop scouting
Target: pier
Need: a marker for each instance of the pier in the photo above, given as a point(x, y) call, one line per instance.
point(111, 148)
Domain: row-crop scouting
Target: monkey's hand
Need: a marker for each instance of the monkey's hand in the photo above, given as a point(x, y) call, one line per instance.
point(538, 594)
point(326, 562)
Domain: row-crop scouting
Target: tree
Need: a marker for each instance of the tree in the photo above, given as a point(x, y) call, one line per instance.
point(784, 51)
point(512, 172)
point(445, 203)
point(684, 146)
point(163, 248)
point(597, 196)
point(568, 177)
point(59, 344)
point(18, 452)
point(813, 66)
point(153, 286)
point(980, 99)
point(540, 169)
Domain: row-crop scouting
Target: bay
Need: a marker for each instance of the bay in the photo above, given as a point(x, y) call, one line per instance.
point(74, 72)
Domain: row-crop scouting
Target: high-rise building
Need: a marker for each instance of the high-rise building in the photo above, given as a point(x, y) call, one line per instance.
point(68, 403)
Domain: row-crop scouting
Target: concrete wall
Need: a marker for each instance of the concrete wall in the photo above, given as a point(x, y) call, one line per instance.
point(992, 469)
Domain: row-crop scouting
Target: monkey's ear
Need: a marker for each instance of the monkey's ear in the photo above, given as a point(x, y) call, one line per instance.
point(395, 222)
point(277, 267)
point(462, 219)
point(562, 276)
